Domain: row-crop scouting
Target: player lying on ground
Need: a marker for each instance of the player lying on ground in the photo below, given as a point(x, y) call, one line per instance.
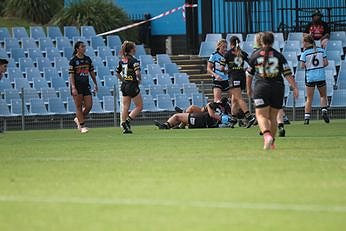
point(215, 116)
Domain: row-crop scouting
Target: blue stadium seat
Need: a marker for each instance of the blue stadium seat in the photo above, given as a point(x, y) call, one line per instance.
point(198, 99)
point(16, 107)
point(295, 36)
point(146, 60)
point(4, 109)
point(19, 32)
point(20, 83)
point(45, 43)
point(240, 36)
point(34, 53)
point(43, 63)
point(89, 51)
point(140, 50)
point(58, 83)
point(40, 83)
point(182, 101)
point(64, 93)
point(163, 59)
point(56, 106)
point(71, 106)
point(70, 32)
point(53, 32)
point(300, 102)
point(338, 35)
point(68, 53)
point(3, 53)
point(96, 108)
point(190, 89)
point(338, 99)
point(331, 66)
point(5, 83)
point(11, 94)
point(300, 76)
point(316, 99)
point(11, 43)
point(48, 93)
point(4, 33)
point(108, 104)
point(334, 55)
point(14, 73)
point(61, 62)
point(79, 39)
point(112, 62)
point(102, 71)
point(96, 42)
point(17, 53)
point(279, 37)
point(148, 103)
point(103, 52)
point(88, 32)
point(114, 42)
point(335, 45)
point(30, 93)
point(291, 56)
point(147, 80)
point(171, 68)
point(38, 107)
point(164, 102)
point(213, 37)
point(181, 79)
point(156, 90)
point(97, 61)
point(36, 32)
point(206, 49)
point(28, 43)
point(154, 69)
point(293, 45)
point(25, 63)
point(103, 91)
point(11, 63)
point(248, 47)
point(110, 81)
point(64, 73)
point(52, 53)
point(250, 38)
point(50, 73)
point(63, 42)
point(163, 79)
point(173, 90)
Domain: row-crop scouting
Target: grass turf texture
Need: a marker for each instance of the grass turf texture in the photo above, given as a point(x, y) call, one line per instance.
point(217, 179)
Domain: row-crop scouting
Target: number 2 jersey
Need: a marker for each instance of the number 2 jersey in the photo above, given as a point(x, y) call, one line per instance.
point(275, 67)
point(314, 68)
point(127, 69)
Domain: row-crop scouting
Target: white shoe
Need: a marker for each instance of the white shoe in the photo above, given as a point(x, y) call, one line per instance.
point(84, 130)
point(77, 123)
point(268, 142)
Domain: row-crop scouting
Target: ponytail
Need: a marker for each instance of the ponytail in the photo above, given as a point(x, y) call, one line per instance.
point(235, 42)
point(268, 40)
point(126, 48)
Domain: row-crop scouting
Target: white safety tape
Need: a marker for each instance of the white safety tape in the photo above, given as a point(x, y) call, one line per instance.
point(151, 19)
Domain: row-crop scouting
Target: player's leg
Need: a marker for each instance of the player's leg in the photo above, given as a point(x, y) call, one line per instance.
point(324, 102)
point(79, 119)
point(125, 113)
point(308, 103)
point(138, 101)
point(217, 93)
point(280, 122)
point(264, 123)
point(238, 99)
point(173, 121)
point(193, 109)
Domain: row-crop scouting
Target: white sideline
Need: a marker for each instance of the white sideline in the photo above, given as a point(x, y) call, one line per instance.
point(175, 203)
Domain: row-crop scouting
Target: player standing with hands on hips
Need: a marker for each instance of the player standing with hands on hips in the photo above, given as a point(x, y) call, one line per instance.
point(129, 73)
point(80, 68)
point(268, 66)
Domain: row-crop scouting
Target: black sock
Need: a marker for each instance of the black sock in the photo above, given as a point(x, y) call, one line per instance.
point(168, 125)
point(247, 114)
point(280, 125)
point(81, 124)
point(266, 131)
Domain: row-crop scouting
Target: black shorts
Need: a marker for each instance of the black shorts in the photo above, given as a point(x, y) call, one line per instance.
point(223, 85)
point(82, 89)
point(237, 81)
point(316, 84)
point(130, 89)
point(269, 93)
point(198, 120)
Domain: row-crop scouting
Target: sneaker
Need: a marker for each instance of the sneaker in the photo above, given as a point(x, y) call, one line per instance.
point(306, 122)
point(325, 117)
point(282, 132)
point(128, 124)
point(178, 109)
point(268, 142)
point(84, 130)
point(77, 123)
point(160, 125)
point(286, 120)
point(251, 120)
point(233, 123)
point(126, 129)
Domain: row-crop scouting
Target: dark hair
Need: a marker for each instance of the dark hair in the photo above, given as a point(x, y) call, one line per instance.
point(268, 40)
point(76, 46)
point(3, 61)
point(235, 41)
point(126, 48)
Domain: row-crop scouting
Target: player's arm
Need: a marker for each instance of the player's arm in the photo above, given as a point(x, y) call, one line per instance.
point(287, 73)
point(118, 72)
point(72, 80)
point(137, 70)
point(212, 113)
point(249, 76)
point(93, 76)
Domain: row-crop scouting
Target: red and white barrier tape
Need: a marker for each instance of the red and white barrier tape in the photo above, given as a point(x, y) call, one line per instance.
point(151, 19)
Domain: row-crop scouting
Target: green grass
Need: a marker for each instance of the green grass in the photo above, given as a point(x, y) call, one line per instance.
point(181, 180)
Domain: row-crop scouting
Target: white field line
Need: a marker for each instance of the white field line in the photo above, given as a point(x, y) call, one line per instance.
point(174, 203)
